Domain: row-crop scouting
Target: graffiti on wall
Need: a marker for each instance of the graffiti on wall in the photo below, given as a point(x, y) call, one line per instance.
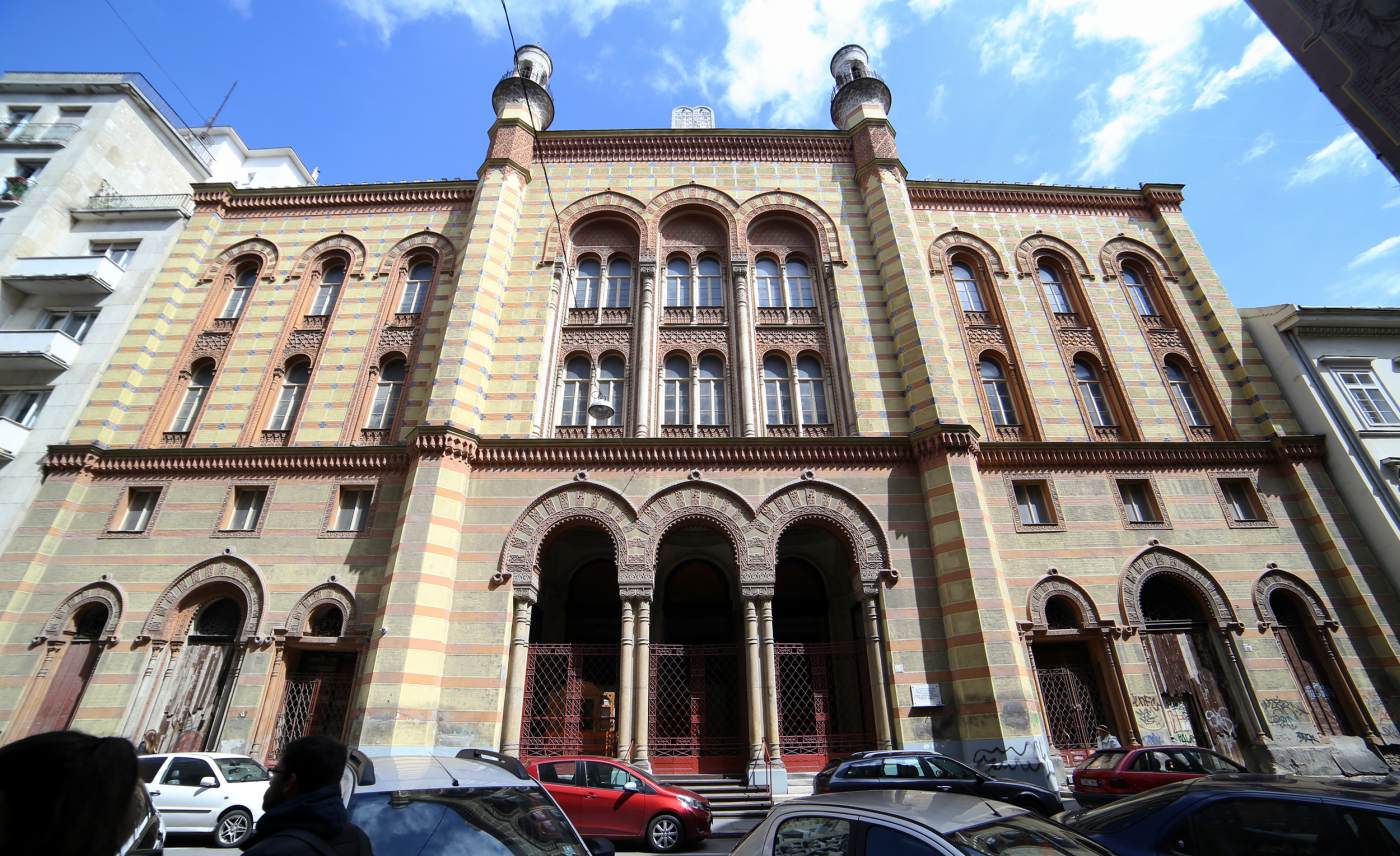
point(1283, 712)
point(1013, 756)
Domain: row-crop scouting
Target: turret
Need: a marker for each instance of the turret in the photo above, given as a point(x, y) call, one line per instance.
point(523, 92)
point(859, 92)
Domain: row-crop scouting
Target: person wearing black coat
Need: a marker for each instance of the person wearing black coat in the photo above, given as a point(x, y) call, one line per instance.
point(303, 812)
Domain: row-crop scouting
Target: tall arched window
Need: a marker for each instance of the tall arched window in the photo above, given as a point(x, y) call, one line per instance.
point(678, 282)
point(619, 284)
point(415, 288)
point(799, 284)
point(811, 391)
point(1139, 291)
point(574, 402)
point(998, 391)
point(1184, 391)
point(329, 289)
point(710, 284)
point(777, 395)
point(242, 288)
point(387, 394)
point(675, 401)
point(711, 393)
point(1054, 285)
point(969, 294)
point(1091, 392)
point(768, 282)
point(586, 284)
point(290, 397)
point(610, 387)
point(201, 378)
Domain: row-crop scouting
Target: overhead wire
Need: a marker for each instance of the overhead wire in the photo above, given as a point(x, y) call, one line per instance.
point(549, 189)
point(168, 75)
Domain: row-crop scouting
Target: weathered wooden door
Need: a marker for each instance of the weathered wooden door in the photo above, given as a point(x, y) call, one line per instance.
point(67, 682)
point(1189, 673)
point(200, 694)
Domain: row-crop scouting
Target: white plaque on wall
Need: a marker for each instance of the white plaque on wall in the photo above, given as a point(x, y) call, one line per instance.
point(925, 695)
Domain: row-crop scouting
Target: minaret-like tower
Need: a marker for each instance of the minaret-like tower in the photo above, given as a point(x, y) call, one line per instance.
point(860, 93)
point(523, 92)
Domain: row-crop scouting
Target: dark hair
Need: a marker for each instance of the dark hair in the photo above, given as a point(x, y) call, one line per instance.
point(315, 761)
point(66, 793)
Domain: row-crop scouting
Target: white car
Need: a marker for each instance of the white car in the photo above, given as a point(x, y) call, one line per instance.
point(209, 792)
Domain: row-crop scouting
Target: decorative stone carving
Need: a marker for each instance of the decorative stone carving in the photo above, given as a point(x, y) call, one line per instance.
point(264, 250)
point(692, 340)
point(1120, 246)
point(226, 570)
point(1272, 580)
point(332, 593)
point(689, 230)
point(699, 500)
point(967, 242)
point(443, 248)
point(104, 592)
point(1160, 560)
point(621, 205)
point(980, 336)
point(575, 502)
point(594, 341)
point(710, 199)
point(781, 201)
point(347, 244)
point(1026, 252)
point(813, 500)
point(209, 344)
point(1165, 342)
point(305, 343)
point(791, 341)
point(1058, 586)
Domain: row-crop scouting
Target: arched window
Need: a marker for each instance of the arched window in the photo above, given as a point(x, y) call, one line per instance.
point(1139, 291)
point(711, 393)
point(711, 284)
point(777, 396)
point(242, 288)
point(969, 294)
point(329, 289)
point(768, 282)
point(387, 394)
point(998, 391)
point(675, 402)
point(586, 284)
point(415, 289)
point(1307, 659)
point(799, 284)
point(678, 282)
point(289, 400)
point(619, 284)
point(1179, 379)
point(574, 407)
point(610, 387)
point(200, 380)
point(811, 391)
point(1091, 392)
point(1055, 291)
point(327, 620)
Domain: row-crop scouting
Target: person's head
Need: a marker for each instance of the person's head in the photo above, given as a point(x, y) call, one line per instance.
point(1101, 730)
point(64, 793)
point(307, 764)
point(152, 736)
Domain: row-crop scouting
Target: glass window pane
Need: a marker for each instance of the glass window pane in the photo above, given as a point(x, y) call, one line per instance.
point(812, 836)
point(768, 283)
point(1260, 826)
point(892, 842)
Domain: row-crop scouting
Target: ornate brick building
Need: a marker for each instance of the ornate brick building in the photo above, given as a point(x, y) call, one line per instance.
point(756, 454)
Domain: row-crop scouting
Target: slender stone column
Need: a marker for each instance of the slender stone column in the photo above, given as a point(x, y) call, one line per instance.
point(770, 681)
point(643, 374)
point(744, 359)
point(546, 385)
point(874, 653)
point(754, 671)
point(642, 692)
point(625, 672)
point(515, 677)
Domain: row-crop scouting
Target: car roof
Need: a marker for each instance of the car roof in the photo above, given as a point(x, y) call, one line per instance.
point(1387, 791)
point(942, 812)
point(427, 772)
point(199, 755)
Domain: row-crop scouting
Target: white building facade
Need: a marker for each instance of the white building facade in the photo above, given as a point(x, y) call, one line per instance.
point(96, 173)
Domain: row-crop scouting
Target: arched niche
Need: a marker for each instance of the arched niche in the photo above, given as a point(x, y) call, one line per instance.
point(838, 510)
point(823, 227)
point(330, 593)
point(1116, 248)
point(608, 202)
point(957, 240)
point(441, 247)
point(578, 502)
point(1039, 608)
point(265, 251)
point(101, 592)
point(714, 201)
point(215, 576)
point(702, 502)
point(344, 243)
point(1274, 580)
point(1160, 560)
point(1038, 243)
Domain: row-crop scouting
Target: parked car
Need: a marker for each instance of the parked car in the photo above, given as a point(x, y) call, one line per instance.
point(209, 792)
point(147, 836)
point(608, 798)
point(1248, 814)
point(478, 802)
point(1116, 773)
point(908, 823)
point(929, 771)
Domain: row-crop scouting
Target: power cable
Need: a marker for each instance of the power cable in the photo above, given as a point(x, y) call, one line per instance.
point(168, 75)
point(558, 224)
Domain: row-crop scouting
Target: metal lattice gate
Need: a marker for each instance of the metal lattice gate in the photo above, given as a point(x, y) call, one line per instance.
point(312, 705)
point(696, 718)
point(1071, 704)
point(569, 691)
point(816, 722)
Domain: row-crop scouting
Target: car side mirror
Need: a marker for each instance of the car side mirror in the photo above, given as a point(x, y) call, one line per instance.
point(599, 847)
point(630, 785)
point(208, 782)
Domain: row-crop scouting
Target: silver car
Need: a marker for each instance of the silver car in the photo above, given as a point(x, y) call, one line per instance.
point(908, 823)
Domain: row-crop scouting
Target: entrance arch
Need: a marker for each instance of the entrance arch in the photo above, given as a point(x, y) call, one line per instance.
point(80, 628)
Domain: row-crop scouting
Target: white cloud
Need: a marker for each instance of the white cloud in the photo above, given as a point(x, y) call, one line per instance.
point(937, 103)
point(1263, 58)
point(1047, 178)
point(1394, 203)
point(1384, 248)
point(242, 7)
point(1263, 144)
point(1345, 154)
point(527, 16)
point(1380, 288)
point(926, 9)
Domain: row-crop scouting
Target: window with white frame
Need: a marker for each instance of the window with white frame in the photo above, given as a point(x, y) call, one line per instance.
point(1054, 287)
point(611, 383)
point(811, 391)
point(22, 406)
point(120, 253)
point(387, 393)
point(140, 505)
point(415, 288)
point(1033, 504)
point(587, 284)
point(1139, 501)
point(678, 282)
point(290, 396)
point(1242, 500)
point(768, 283)
point(243, 284)
point(1370, 399)
point(1184, 391)
point(777, 395)
point(247, 508)
point(619, 292)
point(328, 290)
point(196, 391)
point(1139, 292)
point(74, 323)
point(799, 284)
point(573, 408)
point(1091, 392)
point(675, 400)
point(998, 392)
point(965, 282)
point(352, 507)
point(709, 289)
point(711, 391)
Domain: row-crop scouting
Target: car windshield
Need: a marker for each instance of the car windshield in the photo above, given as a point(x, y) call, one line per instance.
point(1103, 761)
point(1024, 835)
point(1124, 813)
point(480, 821)
point(241, 770)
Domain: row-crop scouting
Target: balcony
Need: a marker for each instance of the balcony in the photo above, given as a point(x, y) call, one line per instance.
point(93, 276)
point(164, 206)
point(12, 437)
point(37, 350)
point(37, 133)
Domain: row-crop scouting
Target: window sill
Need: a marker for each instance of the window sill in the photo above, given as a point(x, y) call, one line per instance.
point(1251, 524)
point(1387, 431)
point(120, 534)
point(341, 534)
point(1038, 527)
point(237, 533)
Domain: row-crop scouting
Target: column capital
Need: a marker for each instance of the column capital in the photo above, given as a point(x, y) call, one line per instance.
point(630, 593)
point(756, 593)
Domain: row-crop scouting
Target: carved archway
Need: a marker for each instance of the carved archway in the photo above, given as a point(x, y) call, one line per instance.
point(1274, 579)
point(103, 592)
point(1057, 586)
point(265, 250)
point(1121, 246)
point(967, 242)
point(1161, 560)
point(219, 571)
point(344, 243)
point(781, 201)
point(839, 510)
point(707, 502)
point(444, 249)
point(1038, 243)
point(711, 199)
point(621, 205)
point(329, 593)
point(577, 502)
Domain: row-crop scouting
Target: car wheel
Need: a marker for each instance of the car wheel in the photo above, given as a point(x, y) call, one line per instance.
point(234, 827)
point(664, 833)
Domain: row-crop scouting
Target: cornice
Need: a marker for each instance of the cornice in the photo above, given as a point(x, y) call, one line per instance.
point(1148, 456)
point(1015, 197)
point(214, 462)
point(232, 203)
point(673, 145)
point(728, 452)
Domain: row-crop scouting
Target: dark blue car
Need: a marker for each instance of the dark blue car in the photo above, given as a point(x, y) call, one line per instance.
point(928, 771)
point(1245, 814)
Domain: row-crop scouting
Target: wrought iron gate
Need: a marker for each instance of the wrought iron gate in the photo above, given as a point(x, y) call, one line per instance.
point(815, 721)
point(696, 719)
point(568, 693)
point(1071, 705)
point(312, 704)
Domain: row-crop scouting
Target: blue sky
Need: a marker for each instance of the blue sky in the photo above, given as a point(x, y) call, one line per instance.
point(1289, 205)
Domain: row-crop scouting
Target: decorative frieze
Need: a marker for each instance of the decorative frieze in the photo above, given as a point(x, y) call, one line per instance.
point(672, 145)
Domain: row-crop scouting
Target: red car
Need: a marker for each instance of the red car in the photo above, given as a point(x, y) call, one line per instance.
point(606, 798)
point(1113, 773)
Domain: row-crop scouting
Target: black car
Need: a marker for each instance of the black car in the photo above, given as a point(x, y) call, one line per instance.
point(929, 771)
point(1247, 813)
